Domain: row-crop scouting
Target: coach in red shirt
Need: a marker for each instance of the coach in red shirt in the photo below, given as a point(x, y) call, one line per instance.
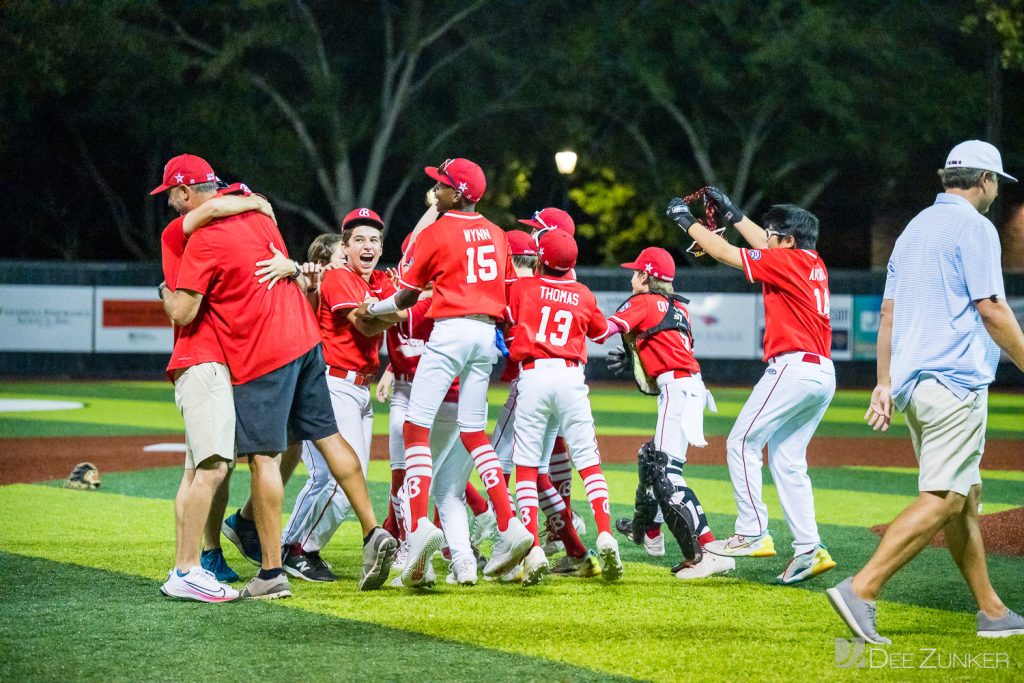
point(787, 404)
point(272, 347)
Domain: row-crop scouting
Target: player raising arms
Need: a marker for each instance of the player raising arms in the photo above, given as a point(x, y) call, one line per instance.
point(467, 258)
point(656, 328)
point(789, 401)
point(551, 316)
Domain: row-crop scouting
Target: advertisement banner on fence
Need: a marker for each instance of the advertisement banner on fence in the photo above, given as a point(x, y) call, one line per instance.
point(131, 320)
point(865, 328)
point(46, 318)
point(841, 316)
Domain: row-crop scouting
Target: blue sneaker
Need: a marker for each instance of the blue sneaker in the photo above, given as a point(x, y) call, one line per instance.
point(242, 532)
point(213, 561)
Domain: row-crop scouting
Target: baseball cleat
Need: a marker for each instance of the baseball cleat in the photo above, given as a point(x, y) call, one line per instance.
point(462, 572)
point(213, 561)
point(242, 532)
point(806, 566)
point(608, 550)
point(655, 547)
point(535, 566)
point(743, 546)
point(552, 544)
point(198, 584)
point(267, 589)
point(485, 525)
point(708, 566)
point(511, 547)
point(401, 555)
point(423, 543)
point(582, 567)
point(378, 553)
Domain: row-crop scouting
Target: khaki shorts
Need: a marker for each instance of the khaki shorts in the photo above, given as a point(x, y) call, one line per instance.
point(948, 436)
point(204, 397)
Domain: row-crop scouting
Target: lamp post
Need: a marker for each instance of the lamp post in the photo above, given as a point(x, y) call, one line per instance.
point(566, 163)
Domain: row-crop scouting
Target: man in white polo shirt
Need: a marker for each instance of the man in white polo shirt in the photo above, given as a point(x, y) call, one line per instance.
point(944, 319)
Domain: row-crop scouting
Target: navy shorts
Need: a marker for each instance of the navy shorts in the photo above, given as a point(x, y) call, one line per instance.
point(290, 402)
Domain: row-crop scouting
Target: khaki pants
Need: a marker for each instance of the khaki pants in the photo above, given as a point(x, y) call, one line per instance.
point(204, 397)
point(948, 436)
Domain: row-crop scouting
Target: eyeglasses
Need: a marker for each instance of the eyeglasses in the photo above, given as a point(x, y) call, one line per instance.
point(774, 233)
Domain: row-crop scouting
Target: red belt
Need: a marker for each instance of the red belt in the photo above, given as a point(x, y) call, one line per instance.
point(360, 379)
point(529, 364)
point(811, 358)
point(680, 374)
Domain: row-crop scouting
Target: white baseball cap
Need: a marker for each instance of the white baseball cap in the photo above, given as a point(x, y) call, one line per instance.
point(977, 154)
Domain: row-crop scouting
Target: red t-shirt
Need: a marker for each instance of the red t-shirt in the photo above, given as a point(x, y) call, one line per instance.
point(552, 318)
point(795, 299)
point(196, 342)
point(260, 330)
point(345, 347)
point(467, 258)
point(407, 340)
point(665, 351)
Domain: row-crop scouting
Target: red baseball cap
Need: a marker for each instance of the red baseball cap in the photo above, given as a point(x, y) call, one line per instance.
point(461, 174)
point(558, 250)
point(549, 218)
point(185, 169)
point(362, 215)
point(656, 262)
point(520, 243)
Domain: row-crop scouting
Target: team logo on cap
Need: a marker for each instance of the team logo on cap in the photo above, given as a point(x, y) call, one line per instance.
point(364, 213)
point(754, 254)
point(178, 178)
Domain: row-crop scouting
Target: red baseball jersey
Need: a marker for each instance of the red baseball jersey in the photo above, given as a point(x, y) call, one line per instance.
point(196, 342)
point(260, 330)
point(467, 258)
point(796, 299)
point(662, 352)
point(552, 318)
point(345, 347)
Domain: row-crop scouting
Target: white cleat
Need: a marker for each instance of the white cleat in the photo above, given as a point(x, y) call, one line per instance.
point(578, 524)
point(710, 565)
point(511, 547)
point(485, 525)
point(463, 572)
point(655, 547)
point(608, 551)
point(400, 556)
point(535, 566)
point(423, 544)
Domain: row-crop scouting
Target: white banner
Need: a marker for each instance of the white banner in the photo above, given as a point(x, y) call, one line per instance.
point(46, 318)
point(131, 320)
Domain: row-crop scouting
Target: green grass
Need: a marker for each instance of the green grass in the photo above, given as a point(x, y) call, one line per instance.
point(80, 571)
point(139, 408)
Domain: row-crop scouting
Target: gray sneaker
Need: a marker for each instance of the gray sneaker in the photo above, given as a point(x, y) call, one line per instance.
point(1010, 624)
point(267, 589)
point(378, 554)
point(858, 614)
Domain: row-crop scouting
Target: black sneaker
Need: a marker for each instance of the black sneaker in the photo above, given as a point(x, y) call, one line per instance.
point(309, 566)
point(242, 532)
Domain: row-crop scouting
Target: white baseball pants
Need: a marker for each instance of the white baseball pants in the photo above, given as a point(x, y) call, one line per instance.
point(452, 468)
point(681, 404)
point(782, 412)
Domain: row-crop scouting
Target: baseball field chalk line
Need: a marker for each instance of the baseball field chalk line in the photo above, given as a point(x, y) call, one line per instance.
point(164, 448)
point(24, 405)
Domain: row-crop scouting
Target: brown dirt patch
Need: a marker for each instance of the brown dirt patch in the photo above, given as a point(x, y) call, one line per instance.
point(1002, 532)
point(39, 459)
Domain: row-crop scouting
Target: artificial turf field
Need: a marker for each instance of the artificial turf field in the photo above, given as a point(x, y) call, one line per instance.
point(79, 577)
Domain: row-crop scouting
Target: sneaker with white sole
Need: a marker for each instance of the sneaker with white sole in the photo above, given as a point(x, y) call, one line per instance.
point(401, 555)
point(1010, 624)
point(859, 614)
point(378, 554)
point(655, 547)
point(806, 566)
point(511, 547)
point(307, 566)
point(535, 566)
point(462, 572)
point(608, 551)
point(198, 584)
point(709, 565)
point(580, 567)
point(423, 543)
point(267, 589)
point(743, 546)
point(484, 526)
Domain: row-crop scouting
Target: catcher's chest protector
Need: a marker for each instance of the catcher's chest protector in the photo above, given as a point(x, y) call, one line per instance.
point(672, 320)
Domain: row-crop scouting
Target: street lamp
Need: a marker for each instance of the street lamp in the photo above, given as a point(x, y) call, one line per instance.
point(566, 163)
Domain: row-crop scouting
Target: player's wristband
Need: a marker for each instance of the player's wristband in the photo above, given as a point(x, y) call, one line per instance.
point(389, 305)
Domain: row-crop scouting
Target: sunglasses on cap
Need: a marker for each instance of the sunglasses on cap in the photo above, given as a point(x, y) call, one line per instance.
point(537, 218)
point(443, 170)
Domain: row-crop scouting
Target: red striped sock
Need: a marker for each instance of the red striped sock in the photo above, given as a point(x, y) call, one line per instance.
point(560, 517)
point(526, 496)
point(476, 502)
point(419, 470)
point(597, 493)
point(561, 470)
point(487, 465)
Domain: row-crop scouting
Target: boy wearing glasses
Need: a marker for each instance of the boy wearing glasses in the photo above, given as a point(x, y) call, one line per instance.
point(787, 404)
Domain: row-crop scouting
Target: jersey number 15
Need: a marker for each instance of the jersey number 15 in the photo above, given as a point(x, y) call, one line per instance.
point(480, 264)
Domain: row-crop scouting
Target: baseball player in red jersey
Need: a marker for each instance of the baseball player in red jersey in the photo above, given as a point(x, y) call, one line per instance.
point(789, 401)
point(466, 257)
point(656, 326)
point(551, 317)
point(351, 353)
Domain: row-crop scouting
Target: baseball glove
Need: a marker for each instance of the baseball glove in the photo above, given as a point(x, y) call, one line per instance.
point(84, 477)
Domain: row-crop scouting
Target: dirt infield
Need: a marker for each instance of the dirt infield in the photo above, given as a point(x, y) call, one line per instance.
point(1003, 532)
point(39, 459)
